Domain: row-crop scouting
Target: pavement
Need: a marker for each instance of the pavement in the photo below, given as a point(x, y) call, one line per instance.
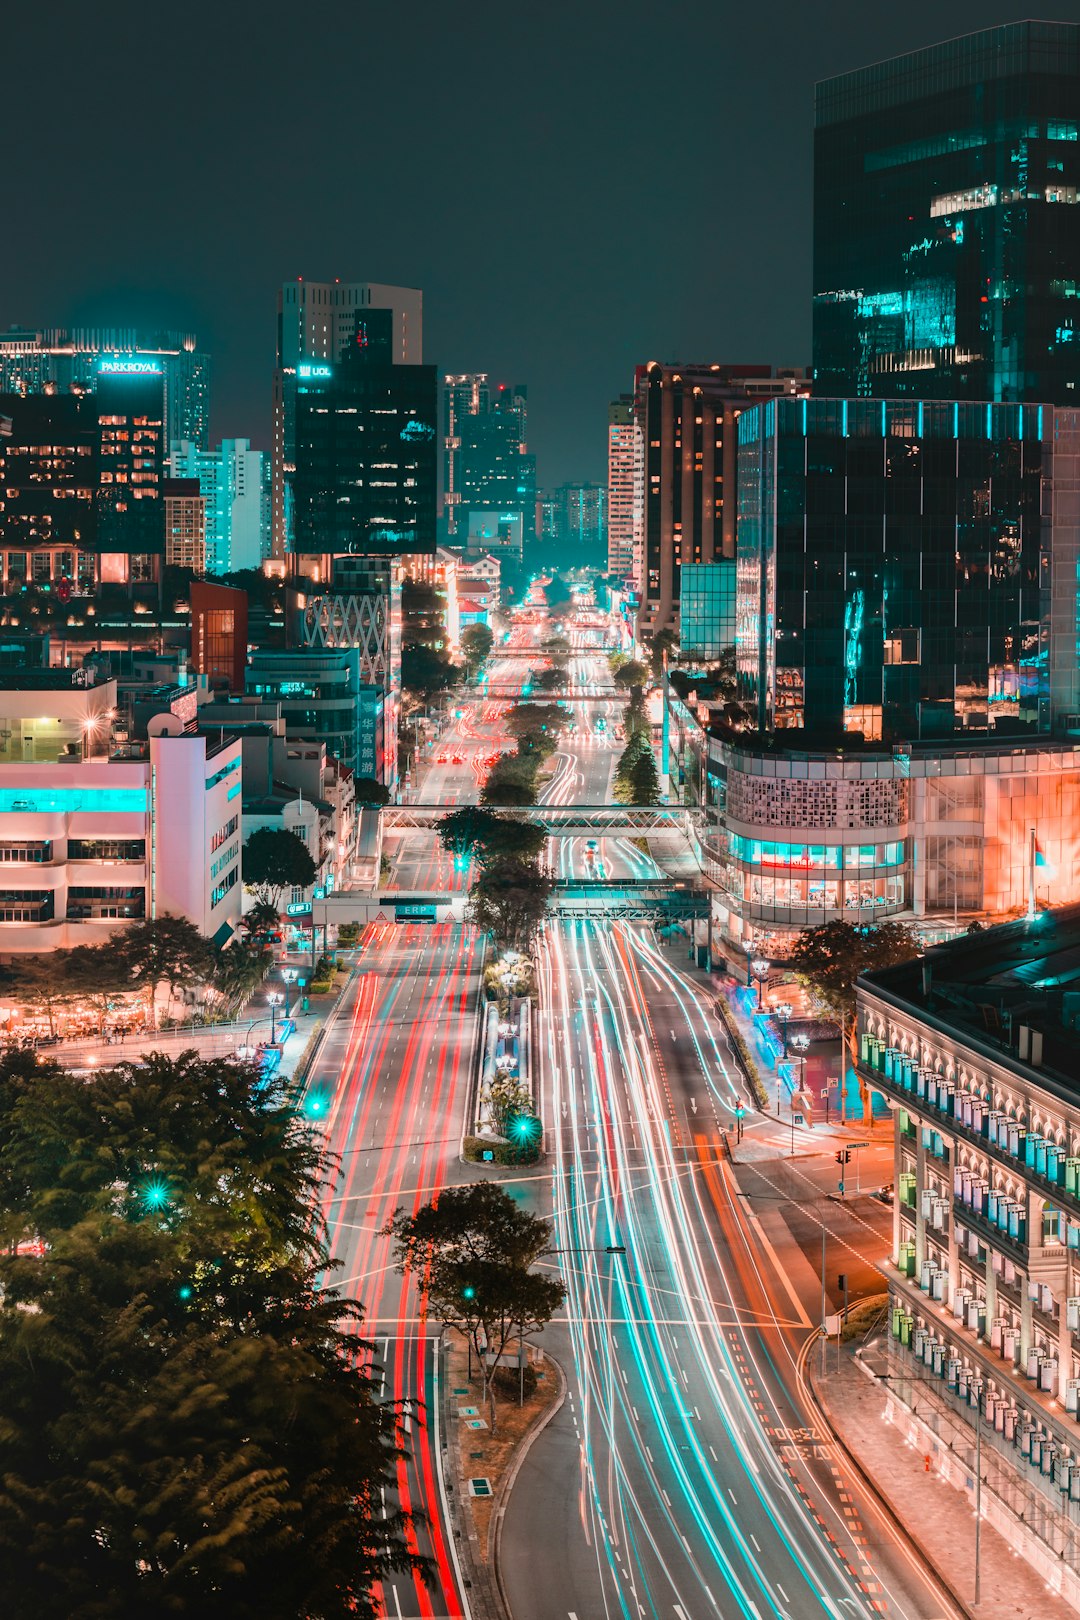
point(935, 1515)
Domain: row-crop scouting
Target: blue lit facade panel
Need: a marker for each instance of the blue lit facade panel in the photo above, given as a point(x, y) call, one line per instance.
point(946, 225)
point(894, 566)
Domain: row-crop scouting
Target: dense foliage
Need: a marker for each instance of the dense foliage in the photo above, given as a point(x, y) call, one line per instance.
point(275, 859)
point(184, 1429)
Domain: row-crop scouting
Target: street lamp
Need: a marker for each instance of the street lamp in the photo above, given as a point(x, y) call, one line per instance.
point(783, 1012)
point(800, 1042)
point(760, 966)
point(288, 974)
point(274, 997)
point(749, 946)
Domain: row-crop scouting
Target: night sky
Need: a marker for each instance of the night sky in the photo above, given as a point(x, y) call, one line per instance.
point(577, 187)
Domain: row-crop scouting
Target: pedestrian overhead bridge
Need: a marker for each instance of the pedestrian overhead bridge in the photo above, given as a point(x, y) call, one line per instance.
point(558, 820)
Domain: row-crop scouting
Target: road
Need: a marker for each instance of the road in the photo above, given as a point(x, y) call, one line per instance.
point(683, 1477)
point(391, 1082)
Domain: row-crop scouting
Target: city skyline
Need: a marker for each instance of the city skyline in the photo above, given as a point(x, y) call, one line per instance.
point(597, 299)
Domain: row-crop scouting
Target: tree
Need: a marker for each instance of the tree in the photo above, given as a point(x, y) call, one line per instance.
point(370, 794)
point(423, 615)
point(557, 592)
point(164, 950)
point(426, 670)
point(558, 650)
point(643, 784)
point(275, 859)
point(547, 680)
point(536, 726)
point(512, 780)
point(185, 1425)
point(663, 644)
point(510, 902)
point(98, 974)
point(263, 918)
point(829, 959)
point(240, 969)
point(39, 981)
point(473, 829)
point(474, 1247)
point(632, 673)
point(507, 1097)
point(476, 644)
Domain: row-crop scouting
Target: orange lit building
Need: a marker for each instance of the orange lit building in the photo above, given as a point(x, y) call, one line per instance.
point(219, 621)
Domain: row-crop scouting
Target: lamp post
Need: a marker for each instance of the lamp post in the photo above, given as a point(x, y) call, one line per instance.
point(273, 997)
point(783, 1012)
point(800, 1042)
point(760, 968)
point(288, 974)
point(750, 947)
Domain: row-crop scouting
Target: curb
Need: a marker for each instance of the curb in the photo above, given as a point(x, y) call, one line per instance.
point(873, 1489)
point(525, 1445)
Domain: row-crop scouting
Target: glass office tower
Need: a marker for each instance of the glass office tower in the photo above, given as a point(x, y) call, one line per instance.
point(947, 221)
point(900, 572)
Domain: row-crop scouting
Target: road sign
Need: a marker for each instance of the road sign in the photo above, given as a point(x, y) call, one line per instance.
point(841, 1185)
point(797, 1119)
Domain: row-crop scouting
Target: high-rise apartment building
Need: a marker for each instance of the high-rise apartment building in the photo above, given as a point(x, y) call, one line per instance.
point(621, 454)
point(686, 417)
point(318, 323)
point(60, 359)
point(900, 571)
point(235, 482)
point(946, 231)
point(487, 468)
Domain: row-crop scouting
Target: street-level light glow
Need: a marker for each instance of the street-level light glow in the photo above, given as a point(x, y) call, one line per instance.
point(760, 967)
point(155, 1193)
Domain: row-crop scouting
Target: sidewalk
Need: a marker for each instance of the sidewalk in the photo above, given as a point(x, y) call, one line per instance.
point(938, 1518)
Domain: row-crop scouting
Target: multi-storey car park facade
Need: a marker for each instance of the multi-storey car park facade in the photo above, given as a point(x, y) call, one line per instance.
point(976, 1048)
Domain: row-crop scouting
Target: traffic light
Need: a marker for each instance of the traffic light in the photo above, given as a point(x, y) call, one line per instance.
point(468, 1292)
point(844, 1156)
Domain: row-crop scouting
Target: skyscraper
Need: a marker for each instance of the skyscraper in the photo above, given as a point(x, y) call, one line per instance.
point(621, 453)
point(61, 359)
point(686, 416)
point(318, 322)
point(365, 456)
point(80, 481)
point(946, 231)
point(575, 525)
point(487, 467)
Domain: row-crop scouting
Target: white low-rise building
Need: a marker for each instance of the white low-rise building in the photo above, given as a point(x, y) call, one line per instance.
point(91, 840)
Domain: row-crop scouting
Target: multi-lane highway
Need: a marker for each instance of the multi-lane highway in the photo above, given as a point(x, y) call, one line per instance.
point(683, 1477)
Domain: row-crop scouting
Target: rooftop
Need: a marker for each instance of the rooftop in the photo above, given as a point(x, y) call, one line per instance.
point(1013, 990)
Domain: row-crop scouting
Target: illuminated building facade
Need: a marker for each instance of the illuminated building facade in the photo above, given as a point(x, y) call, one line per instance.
point(219, 633)
point(366, 459)
point(185, 524)
point(938, 835)
point(974, 1049)
point(946, 231)
point(902, 570)
point(321, 322)
point(686, 416)
point(578, 524)
point(487, 467)
point(59, 360)
point(707, 610)
point(324, 698)
point(81, 482)
point(94, 839)
point(235, 481)
point(621, 454)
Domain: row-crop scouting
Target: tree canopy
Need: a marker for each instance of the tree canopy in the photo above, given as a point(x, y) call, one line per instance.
point(475, 830)
point(631, 673)
point(510, 902)
point(475, 1247)
point(275, 859)
point(426, 670)
point(536, 727)
point(184, 1427)
point(830, 957)
point(476, 643)
point(370, 793)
